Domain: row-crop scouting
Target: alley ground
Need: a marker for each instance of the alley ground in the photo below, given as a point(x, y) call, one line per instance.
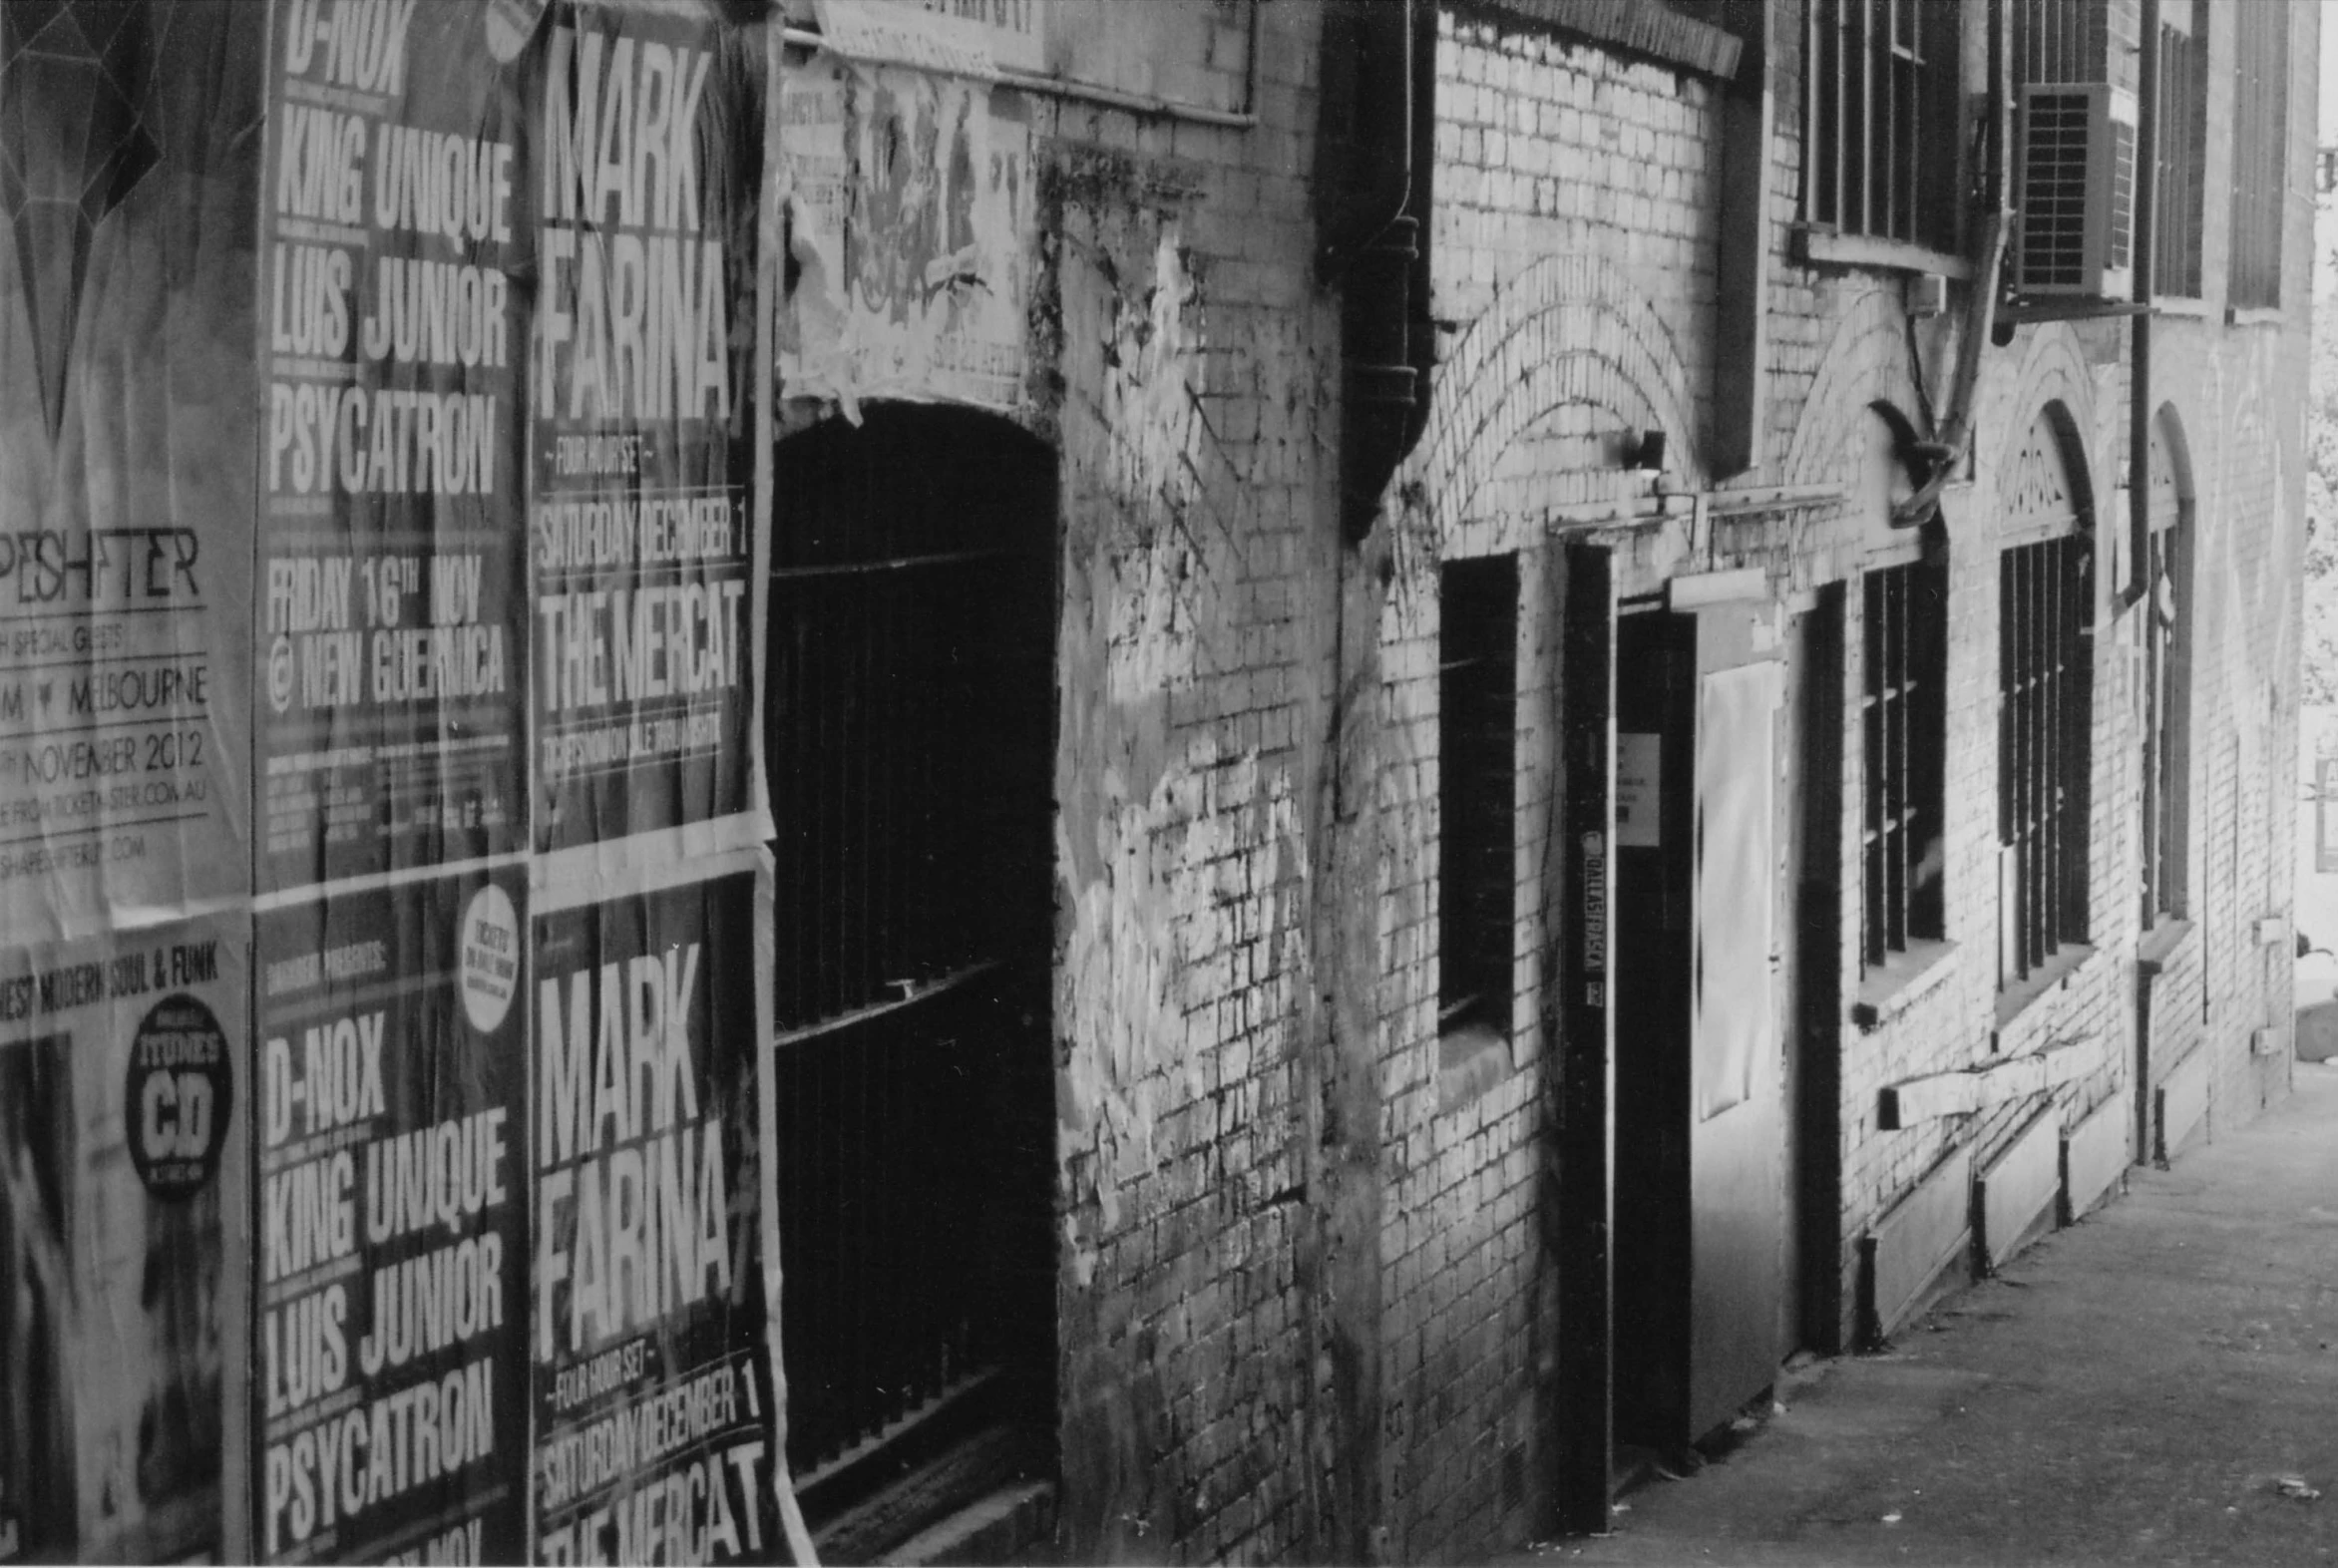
point(2159, 1384)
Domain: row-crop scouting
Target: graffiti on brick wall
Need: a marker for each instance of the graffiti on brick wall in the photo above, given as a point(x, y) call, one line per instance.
point(1195, 906)
point(1153, 461)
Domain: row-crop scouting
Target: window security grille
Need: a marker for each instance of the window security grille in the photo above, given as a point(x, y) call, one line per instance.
point(1882, 135)
point(1904, 720)
point(2064, 41)
point(2045, 710)
point(2183, 160)
point(2260, 127)
point(909, 727)
point(1477, 728)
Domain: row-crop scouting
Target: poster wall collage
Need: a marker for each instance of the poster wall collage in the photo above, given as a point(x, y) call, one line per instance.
point(384, 906)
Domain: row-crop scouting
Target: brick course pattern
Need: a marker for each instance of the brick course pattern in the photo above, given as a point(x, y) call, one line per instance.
point(1209, 1348)
point(1196, 399)
point(1577, 272)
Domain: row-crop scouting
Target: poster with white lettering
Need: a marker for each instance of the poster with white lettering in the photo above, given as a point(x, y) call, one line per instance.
point(644, 165)
point(655, 1430)
point(126, 327)
point(390, 1225)
point(122, 1077)
point(391, 628)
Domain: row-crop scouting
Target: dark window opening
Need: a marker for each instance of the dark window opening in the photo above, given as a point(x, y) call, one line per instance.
point(910, 737)
point(1883, 106)
point(2260, 135)
point(1905, 716)
point(1477, 729)
point(2045, 710)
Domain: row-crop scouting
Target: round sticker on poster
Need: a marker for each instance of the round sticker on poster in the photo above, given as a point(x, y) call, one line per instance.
point(488, 945)
point(177, 1098)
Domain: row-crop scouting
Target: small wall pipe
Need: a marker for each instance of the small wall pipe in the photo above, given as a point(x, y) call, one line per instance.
point(1955, 439)
point(2139, 370)
point(1371, 228)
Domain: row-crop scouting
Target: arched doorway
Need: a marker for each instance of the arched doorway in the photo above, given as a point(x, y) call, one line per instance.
point(909, 740)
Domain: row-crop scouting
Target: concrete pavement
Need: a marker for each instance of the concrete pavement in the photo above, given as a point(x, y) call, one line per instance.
point(2156, 1384)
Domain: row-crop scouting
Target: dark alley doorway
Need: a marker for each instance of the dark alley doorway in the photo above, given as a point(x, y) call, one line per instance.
point(909, 733)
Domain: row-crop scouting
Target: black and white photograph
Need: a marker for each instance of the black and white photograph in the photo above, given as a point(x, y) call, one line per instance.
point(1052, 782)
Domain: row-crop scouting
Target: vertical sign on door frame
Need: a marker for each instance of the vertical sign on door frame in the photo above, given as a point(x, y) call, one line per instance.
point(1586, 1032)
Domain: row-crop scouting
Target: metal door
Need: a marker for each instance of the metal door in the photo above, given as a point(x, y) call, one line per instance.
point(1737, 1128)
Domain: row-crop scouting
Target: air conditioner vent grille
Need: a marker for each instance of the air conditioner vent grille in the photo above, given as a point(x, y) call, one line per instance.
point(2054, 190)
point(2075, 234)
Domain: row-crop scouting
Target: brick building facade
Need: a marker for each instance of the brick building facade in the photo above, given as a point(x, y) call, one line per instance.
point(1466, 717)
point(1385, 1229)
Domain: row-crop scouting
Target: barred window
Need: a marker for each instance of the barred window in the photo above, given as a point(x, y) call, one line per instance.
point(2081, 40)
point(2182, 149)
point(1881, 142)
point(2165, 655)
point(2045, 708)
point(1477, 728)
point(1904, 718)
point(2261, 125)
point(2045, 698)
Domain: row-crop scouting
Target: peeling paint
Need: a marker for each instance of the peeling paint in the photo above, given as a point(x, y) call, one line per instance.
point(1133, 986)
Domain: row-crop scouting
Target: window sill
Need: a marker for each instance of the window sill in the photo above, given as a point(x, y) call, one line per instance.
point(1902, 548)
point(2254, 315)
point(2060, 967)
point(1896, 985)
point(2182, 305)
point(1472, 1059)
point(2160, 944)
point(1819, 247)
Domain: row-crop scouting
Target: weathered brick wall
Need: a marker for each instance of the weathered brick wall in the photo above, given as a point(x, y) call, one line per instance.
point(2217, 985)
point(1197, 372)
point(1570, 326)
point(1571, 241)
point(1955, 1025)
point(2244, 593)
point(1464, 1329)
point(1573, 248)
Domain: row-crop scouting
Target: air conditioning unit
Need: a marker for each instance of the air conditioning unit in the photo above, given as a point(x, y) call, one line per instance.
point(2073, 233)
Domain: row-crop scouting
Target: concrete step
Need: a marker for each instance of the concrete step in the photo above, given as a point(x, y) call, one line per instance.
point(1015, 1524)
